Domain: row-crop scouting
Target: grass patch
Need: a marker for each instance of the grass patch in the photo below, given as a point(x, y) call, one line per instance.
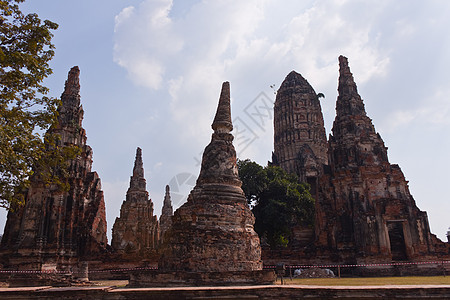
point(412, 280)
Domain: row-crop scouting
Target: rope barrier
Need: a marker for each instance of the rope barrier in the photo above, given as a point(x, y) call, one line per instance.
point(363, 265)
point(265, 267)
point(65, 272)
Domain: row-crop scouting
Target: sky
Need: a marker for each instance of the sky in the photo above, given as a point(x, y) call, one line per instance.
point(151, 73)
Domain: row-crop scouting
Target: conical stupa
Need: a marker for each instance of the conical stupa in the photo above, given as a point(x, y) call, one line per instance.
point(213, 231)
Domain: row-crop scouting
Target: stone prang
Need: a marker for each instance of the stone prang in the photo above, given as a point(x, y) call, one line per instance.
point(165, 221)
point(300, 143)
point(365, 211)
point(213, 230)
point(136, 231)
point(57, 228)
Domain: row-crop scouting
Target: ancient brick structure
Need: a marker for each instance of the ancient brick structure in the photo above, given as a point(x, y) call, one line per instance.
point(365, 211)
point(213, 231)
point(56, 228)
point(165, 221)
point(300, 143)
point(136, 231)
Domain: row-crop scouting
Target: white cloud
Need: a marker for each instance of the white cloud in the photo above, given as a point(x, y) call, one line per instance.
point(432, 111)
point(158, 165)
point(239, 41)
point(142, 35)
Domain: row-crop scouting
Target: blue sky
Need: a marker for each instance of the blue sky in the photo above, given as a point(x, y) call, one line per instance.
point(151, 72)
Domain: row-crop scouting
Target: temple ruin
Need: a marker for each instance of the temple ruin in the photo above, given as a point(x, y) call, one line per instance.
point(57, 229)
point(165, 220)
point(364, 210)
point(300, 143)
point(212, 240)
point(136, 231)
point(213, 230)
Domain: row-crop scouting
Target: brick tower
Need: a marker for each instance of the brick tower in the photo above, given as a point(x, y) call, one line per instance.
point(365, 211)
point(136, 230)
point(57, 228)
point(300, 144)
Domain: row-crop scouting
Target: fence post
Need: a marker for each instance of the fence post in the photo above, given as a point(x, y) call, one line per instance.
point(339, 271)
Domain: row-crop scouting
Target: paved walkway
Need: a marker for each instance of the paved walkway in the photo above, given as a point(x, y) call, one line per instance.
point(232, 292)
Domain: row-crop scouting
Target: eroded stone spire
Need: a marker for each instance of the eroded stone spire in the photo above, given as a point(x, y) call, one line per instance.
point(137, 181)
point(136, 229)
point(349, 102)
point(72, 85)
point(138, 169)
point(167, 206)
point(71, 113)
point(222, 120)
point(165, 221)
point(219, 157)
point(352, 126)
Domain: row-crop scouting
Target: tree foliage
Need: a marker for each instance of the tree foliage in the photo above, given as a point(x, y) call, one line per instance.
point(25, 111)
point(279, 202)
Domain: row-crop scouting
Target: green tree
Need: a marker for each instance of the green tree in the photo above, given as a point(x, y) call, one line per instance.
point(254, 180)
point(25, 111)
point(279, 201)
